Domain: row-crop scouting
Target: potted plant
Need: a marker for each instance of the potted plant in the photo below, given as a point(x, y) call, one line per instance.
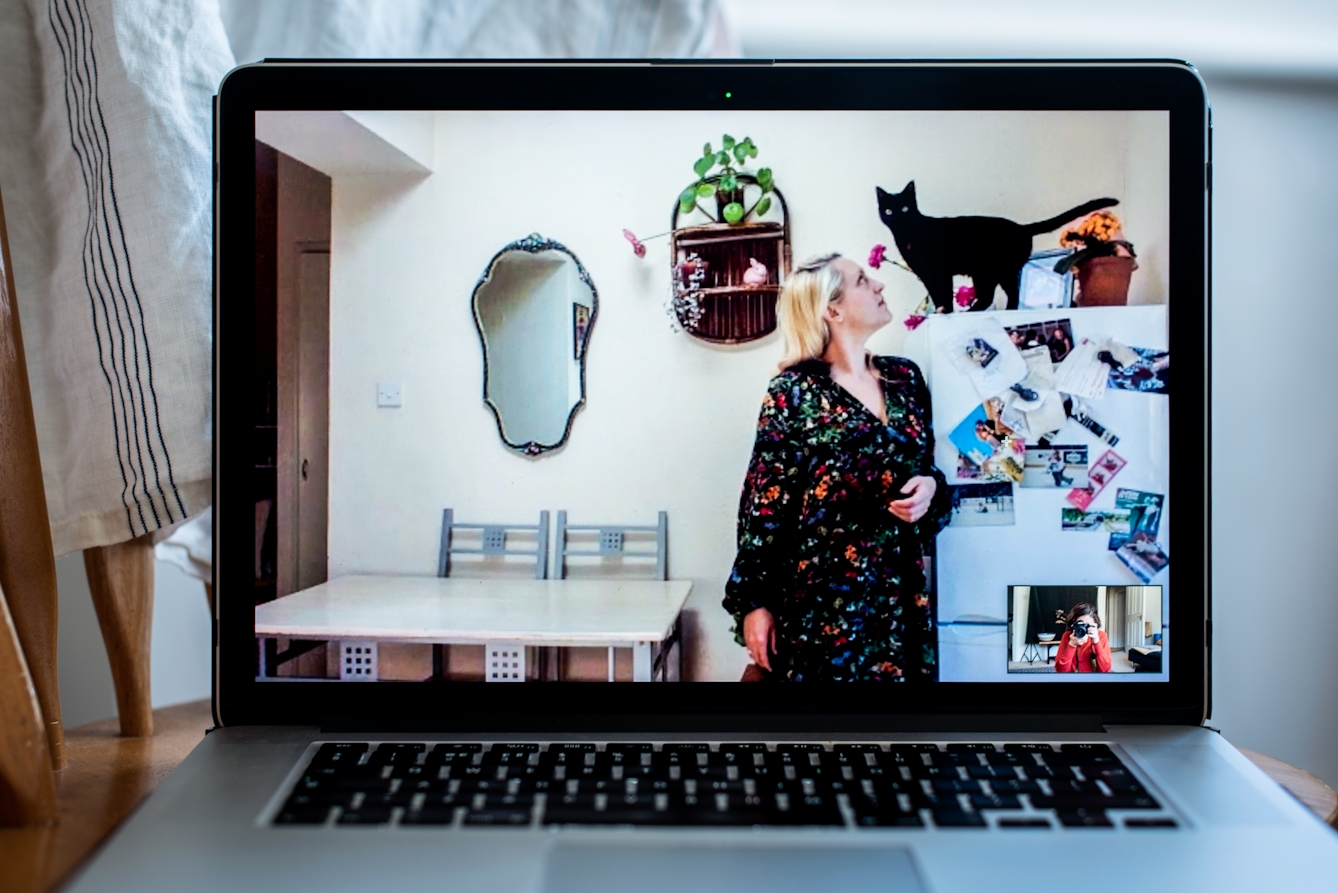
point(726, 184)
point(1103, 259)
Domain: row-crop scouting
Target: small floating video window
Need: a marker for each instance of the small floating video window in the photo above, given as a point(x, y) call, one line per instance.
point(1085, 629)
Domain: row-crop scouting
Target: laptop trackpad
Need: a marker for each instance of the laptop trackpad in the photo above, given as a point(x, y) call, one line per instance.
point(575, 867)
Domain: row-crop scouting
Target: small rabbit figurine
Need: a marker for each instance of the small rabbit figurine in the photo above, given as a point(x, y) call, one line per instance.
point(756, 274)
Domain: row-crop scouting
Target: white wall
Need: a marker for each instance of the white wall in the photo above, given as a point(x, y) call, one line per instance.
point(1275, 568)
point(669, 421)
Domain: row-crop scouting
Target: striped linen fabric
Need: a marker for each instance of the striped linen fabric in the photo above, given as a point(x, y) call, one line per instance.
point(105, 151)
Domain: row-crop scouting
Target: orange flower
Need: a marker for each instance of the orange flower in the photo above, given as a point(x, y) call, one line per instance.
point(771, 494)
point(851, 555)
point(820, 490)
point(803, 564)
point(1101, 225)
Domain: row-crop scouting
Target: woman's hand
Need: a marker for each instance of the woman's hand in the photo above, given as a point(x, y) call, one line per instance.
point(759, 634)
point(919, 491)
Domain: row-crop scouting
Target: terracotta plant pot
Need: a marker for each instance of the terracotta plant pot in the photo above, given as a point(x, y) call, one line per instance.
point(1104, 281)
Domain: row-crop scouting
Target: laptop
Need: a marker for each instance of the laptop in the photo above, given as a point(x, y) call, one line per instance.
point(531, 375)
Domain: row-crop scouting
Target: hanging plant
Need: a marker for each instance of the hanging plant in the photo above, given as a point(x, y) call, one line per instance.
point(723, 184)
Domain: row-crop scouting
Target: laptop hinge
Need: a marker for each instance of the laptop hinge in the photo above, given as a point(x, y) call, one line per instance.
point(723, 726)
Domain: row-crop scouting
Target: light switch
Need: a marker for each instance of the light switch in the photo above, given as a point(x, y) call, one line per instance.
point(388, 394)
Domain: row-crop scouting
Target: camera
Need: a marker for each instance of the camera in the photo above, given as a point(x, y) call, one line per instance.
point(1079, 629)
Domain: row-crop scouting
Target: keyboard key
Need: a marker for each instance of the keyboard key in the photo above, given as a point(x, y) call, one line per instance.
point(396, 754)
point(884, 812)
point(958, 818)
point(429, 816)
point(338, 754)
point(367, 815)
point(1151, 823)
point(956, 786)
point(971, 748)
point(304, 815)
point(995, 801)
point(1082, 818)
point(499, 817)
point(458, 747)
point(1044, 749)
point(1101, 749)
point(1014, 786)
point(1024, 823)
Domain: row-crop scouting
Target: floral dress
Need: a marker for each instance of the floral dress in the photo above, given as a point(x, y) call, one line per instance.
point(842, 576)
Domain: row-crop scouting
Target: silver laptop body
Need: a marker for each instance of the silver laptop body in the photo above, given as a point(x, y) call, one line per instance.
point(928, 788)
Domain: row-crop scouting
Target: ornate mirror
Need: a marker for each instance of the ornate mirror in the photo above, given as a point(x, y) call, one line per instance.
point(534, 307)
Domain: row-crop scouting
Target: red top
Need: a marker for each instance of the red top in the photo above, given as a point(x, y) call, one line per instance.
point(1078, 658)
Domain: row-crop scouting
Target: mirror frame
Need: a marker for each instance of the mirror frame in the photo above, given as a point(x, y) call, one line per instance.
point(535, 244)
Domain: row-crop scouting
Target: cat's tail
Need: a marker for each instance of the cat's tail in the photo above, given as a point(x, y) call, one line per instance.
point(1053, 223)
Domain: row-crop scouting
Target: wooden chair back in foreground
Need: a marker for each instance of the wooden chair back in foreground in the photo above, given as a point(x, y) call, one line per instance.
point(27, 559)
point(27, 785)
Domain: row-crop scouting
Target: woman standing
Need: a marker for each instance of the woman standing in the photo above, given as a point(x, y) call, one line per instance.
point(841, 496)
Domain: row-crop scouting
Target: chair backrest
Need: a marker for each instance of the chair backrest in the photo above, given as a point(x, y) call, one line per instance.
point(647, 546)
point(493, 540)
point(27, 560)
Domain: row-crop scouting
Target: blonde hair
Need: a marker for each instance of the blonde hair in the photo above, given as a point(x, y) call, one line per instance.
point(801, 307)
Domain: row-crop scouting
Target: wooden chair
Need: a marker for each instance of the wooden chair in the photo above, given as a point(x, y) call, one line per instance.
point(627, 550)
point(120, 579)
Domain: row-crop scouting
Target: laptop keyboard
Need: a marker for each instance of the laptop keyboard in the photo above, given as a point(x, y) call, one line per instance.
point(519, 785)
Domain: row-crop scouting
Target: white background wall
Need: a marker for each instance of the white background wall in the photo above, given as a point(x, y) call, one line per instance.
point(670, 420)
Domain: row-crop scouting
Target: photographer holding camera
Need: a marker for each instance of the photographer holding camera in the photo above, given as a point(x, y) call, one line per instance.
point(1084, 647)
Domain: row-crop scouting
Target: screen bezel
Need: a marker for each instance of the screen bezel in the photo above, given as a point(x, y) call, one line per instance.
point(677, 85)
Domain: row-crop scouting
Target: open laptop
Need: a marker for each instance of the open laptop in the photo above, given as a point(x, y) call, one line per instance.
point(492, 342)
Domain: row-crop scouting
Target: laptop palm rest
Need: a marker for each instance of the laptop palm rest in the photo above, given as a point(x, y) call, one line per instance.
point(648, 868)
point(1209, 786)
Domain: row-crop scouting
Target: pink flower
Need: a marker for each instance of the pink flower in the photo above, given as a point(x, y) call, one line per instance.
point(876, 256)
point(913, 321)
point(637, 247)
point(966, 296)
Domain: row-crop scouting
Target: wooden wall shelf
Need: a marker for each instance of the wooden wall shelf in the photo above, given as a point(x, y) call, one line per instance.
point(732, 311)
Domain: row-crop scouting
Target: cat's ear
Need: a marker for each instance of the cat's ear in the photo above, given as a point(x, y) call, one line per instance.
point(882, 193)
point(910, 189)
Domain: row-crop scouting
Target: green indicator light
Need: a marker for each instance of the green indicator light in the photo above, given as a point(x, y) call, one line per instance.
point(728, 95)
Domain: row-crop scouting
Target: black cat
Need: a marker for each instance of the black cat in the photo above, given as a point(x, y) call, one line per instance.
point(991, 250)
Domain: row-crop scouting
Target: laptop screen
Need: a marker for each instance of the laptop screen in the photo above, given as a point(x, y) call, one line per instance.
point(712, 396)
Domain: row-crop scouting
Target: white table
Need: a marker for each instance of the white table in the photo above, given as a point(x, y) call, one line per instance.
point(637, 614)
